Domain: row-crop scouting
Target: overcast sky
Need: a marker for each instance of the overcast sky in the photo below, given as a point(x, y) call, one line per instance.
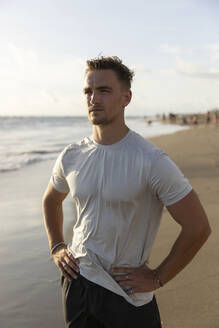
point(173, 46)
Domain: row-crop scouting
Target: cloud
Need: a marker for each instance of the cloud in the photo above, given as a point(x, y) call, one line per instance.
point(206, 68)
point(170, 49)
point(213, 51)
point(141, 69)
point(174, 49)
point(213, 47)
point(209, 52)
point(33, 83)
point(40, 83)
point(50, 96)
point(197, 69)
point(24, 58)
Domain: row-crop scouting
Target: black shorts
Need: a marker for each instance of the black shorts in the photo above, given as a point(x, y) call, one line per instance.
point(88, 305)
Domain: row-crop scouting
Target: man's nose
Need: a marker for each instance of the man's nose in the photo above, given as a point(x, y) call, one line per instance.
point(95, 99)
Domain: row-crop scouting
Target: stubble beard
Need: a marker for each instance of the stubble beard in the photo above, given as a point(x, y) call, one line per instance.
point(98, 120)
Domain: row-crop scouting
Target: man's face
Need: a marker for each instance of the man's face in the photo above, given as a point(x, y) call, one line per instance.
point(105, 96)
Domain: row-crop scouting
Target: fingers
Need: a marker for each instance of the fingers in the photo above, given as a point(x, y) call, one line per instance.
point(140, 279)
point(123, 277)
point(126, 282)
point(135, 289)
point(132, 291)
point(69, 254)
point(70, 265)
point(122, 270)
point(67, 271)
point(67, 264)
point(71, 262)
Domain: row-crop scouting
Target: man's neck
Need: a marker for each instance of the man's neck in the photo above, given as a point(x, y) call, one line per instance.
point(108, 135)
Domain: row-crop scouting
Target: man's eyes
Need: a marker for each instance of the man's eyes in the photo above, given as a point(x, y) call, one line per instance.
point(88, 92)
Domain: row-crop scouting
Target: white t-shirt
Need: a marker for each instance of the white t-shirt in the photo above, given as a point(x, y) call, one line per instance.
point(119, 192)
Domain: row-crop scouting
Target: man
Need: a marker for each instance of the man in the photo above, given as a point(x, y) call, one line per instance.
point(120, 183)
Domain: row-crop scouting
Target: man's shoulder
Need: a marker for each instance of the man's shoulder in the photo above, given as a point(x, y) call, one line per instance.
point(76, 146)
point(140, 143)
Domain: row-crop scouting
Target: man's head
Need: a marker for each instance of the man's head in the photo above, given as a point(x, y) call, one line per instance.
point(123, 73)
point(107, 89)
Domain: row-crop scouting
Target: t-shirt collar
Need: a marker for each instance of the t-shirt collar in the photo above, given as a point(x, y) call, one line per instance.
point(115, 144)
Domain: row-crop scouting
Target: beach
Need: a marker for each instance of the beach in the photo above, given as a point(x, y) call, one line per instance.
point(191, 300)
point(30, 288)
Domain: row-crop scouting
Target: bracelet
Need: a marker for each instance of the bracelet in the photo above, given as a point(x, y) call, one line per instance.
point(156, 278)
point(57, 245)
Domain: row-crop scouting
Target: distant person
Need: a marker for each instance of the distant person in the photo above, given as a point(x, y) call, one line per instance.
point(120, 183)
point(208, 118)
point(164, 118)
point(215, 118)
point(172, 118)
point(195, 120)
point(184, 121)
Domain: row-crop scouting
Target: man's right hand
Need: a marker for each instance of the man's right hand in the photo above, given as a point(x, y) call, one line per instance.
point(66, 263)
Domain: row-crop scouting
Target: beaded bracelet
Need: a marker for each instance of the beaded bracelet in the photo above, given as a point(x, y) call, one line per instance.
point(157, 278)
point(57, 245)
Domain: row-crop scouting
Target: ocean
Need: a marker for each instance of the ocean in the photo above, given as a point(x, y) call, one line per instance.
point(27, 140)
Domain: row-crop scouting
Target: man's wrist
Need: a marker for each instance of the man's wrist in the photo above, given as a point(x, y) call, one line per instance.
point(156, 279)
point(56, 246)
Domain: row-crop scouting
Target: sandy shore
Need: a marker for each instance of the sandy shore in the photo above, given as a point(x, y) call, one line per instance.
point(191, 300)
point(30, 294)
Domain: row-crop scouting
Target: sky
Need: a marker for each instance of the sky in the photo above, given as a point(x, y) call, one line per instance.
point(172, 45)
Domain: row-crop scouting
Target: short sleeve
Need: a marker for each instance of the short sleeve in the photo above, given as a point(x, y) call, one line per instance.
point(167, 181)
point(58, 178)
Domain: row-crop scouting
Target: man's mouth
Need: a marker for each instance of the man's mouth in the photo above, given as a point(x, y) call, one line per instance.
point(95, 110)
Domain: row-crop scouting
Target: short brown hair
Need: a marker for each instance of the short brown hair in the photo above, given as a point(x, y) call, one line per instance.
point(124, 74)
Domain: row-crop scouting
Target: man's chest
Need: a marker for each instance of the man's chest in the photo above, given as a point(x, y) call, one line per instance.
point(111, 176)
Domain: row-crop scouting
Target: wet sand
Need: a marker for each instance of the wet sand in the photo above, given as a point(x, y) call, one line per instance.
point(30, 294)
point(29, 280)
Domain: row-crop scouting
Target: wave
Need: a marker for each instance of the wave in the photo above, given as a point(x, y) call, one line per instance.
point(16, 161)
point(33, 140)
point(40, 152)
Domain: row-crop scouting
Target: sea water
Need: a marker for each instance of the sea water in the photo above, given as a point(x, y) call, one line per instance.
point(27, 140)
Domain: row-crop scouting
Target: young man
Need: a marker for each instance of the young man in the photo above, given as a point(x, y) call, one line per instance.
point(120, 183)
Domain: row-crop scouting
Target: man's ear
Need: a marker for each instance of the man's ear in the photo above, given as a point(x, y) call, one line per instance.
point(127, 97)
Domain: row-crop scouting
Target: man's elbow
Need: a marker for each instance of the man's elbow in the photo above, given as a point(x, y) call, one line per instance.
point(207, 231)
point(203, 232)
point(198, 232)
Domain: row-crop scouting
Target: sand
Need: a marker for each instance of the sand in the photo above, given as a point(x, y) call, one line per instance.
point(30, 293)
point(191, 300)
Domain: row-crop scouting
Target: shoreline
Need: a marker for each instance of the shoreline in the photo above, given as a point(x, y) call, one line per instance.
point(47, 146)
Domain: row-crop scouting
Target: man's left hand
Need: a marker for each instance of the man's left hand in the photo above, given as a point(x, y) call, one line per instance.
point(141, 279)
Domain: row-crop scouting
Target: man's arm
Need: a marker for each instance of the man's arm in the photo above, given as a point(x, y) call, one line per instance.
point(53, 221)
point(195, 230)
